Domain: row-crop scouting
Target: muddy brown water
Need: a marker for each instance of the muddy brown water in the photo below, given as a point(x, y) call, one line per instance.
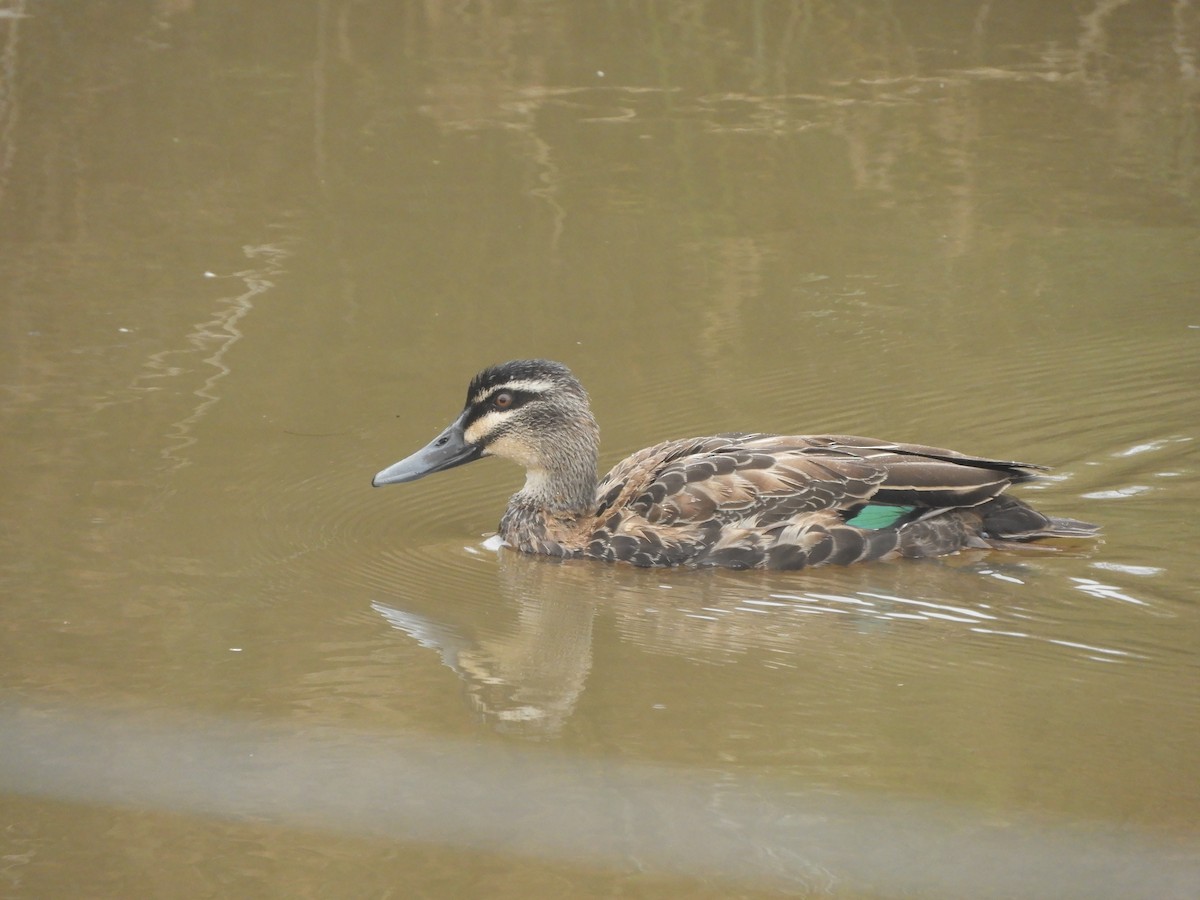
point(251, 254)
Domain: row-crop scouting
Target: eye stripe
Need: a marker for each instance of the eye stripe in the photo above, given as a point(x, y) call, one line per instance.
point(520, 386)
point(484, 419)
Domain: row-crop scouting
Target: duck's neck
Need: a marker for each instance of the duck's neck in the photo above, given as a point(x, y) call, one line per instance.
point(547, 514)
point(568, 493)
point(564, 483)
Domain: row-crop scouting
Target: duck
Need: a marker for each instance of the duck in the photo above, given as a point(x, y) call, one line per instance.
point(739, 500)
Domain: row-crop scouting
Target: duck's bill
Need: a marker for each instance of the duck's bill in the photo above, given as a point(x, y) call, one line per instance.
point(447, 450)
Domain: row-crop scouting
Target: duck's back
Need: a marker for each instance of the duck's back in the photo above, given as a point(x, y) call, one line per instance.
point(786, 501)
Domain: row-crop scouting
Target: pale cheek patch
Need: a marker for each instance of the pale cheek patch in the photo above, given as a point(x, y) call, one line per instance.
point(482, 427)
point(517, 450)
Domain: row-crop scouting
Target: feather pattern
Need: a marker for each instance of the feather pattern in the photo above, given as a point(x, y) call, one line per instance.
point(739, 500)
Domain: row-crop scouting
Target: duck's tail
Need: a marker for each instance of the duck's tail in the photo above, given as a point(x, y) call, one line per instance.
point(999, 524)
point(1008, 519)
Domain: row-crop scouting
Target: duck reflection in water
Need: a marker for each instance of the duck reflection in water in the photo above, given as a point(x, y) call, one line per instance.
point(524, 666)
point(736, 500)
point(525, 654)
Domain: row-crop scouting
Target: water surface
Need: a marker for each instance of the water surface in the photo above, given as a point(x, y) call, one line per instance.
point(254, 254)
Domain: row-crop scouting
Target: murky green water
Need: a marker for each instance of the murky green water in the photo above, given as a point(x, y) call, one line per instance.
point(252, 253)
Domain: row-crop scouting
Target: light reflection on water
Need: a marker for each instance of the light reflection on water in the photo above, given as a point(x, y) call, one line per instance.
point(739, 830)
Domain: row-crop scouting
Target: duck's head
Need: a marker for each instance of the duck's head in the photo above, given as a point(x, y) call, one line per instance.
point(532, 411)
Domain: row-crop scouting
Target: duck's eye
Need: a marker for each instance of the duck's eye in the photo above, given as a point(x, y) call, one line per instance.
point(502, 400)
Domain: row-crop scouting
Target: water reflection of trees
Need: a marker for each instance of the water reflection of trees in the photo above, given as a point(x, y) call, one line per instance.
point(774, 71)
point(750, 126)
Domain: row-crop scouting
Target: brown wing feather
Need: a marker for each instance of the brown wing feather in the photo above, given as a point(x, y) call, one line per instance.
point(865, 447)
point(767, 478)
point(734, 497)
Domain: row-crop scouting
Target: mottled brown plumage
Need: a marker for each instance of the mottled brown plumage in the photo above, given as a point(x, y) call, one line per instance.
point(737, 500)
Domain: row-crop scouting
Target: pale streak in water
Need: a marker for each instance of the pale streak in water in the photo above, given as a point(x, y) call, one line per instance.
point(739, 829)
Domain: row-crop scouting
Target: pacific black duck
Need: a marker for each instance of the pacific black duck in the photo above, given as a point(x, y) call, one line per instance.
point(740, 500)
